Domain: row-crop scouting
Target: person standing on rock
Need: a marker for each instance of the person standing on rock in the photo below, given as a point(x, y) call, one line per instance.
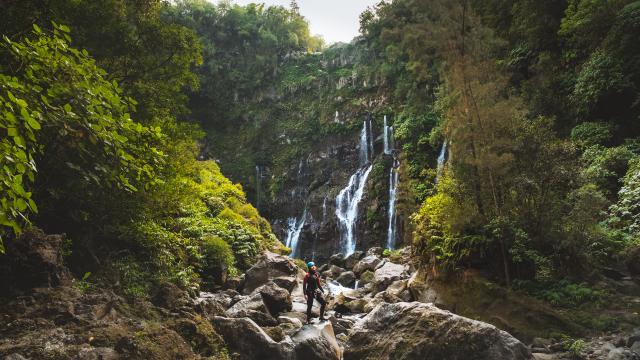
point(313, 290)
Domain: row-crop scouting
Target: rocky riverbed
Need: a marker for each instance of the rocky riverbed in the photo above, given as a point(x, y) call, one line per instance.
point(373, 315)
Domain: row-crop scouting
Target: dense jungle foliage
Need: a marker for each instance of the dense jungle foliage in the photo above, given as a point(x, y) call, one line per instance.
point(98, 142)
point(106, 107)
point(539, 103)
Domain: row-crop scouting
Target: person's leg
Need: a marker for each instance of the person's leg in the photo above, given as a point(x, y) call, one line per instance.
point(309, 306)
point(323, 304)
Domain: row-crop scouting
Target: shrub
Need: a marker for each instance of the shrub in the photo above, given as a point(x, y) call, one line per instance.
point(217, 258)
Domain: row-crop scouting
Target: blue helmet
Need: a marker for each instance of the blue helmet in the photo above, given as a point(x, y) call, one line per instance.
point(311, 264)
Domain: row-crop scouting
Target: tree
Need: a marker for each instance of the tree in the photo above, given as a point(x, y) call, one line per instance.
point(63, 119)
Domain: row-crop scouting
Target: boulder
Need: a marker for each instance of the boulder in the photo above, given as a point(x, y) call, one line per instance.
point(353, 259)
point(252, 307)
point(367, 263)
point(366, 277)
point(275, 298)
point(33, 260)
point(387, 274)
point(337, 259)
point(347, 278)
point(316, 342)
point(214, 304)
point(246, 338)
point(375, 251)
point(290, 320)
point(169, 296)
point(422, 331)
point(335, 271)
point(269, 267)
point(249, 341)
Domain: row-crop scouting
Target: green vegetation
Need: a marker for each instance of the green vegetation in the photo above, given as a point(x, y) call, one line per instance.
point(538, 101)
point(97, 142)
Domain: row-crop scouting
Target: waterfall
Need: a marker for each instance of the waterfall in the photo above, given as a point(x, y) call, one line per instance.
point(294, 228)
point(387, 146)
point(364, 144)
point(348, 199)
point(324, 209)
point(370, 140)
point(347, 208)
point(387, 137)
point(442, 158)
point(391, 208)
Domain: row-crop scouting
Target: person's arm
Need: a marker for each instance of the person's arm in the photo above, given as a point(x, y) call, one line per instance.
point(320, 286)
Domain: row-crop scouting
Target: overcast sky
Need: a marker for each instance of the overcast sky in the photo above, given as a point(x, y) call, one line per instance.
point(334, 20)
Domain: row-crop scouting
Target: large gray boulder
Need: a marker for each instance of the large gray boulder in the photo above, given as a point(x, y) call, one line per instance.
point(316, 342)
point(367, 263)
point(387, 274)
point(271, 267)
point(407, 331)
point(347, 278)
point(252, 307)
point(275, 298)
point(249, 341)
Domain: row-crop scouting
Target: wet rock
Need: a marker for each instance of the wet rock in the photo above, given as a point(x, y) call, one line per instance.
point(347, 278)
point(337, 259)
point(290, 320)
point(270, 266)
point(367, 263)
point(387, 274)
point(422, 331)
point(316, 342)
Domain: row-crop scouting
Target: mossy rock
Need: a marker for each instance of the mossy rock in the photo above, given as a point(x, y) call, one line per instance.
point(202, 337)
point(366, 277)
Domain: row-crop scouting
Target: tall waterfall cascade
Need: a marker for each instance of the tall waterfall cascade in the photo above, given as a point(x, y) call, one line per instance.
point(349, 197)
point(388, 137)
point(393, 186)
point(294, 228)
point(442, 158)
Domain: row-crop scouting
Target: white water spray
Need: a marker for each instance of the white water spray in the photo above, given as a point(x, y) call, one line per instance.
point(393, 187)
point(294, 228)
point(442, 158)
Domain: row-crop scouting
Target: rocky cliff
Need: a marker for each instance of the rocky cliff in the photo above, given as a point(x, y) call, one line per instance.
point(300, 144)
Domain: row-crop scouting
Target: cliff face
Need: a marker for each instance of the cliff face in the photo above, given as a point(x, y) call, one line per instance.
point(310, 200)
point(299, 144)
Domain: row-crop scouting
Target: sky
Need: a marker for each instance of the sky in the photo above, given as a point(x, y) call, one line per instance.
point(334, 20)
